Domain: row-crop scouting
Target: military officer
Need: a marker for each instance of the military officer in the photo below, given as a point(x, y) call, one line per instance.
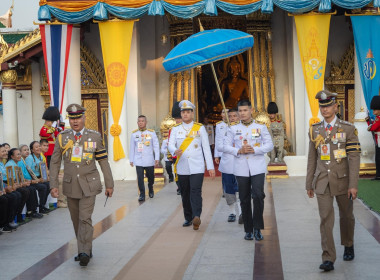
point(333, 171)
point(249, 141)
point(226, 163)
point(374, 127)
point(144, 153)
point(189, 142)
point(79, 147)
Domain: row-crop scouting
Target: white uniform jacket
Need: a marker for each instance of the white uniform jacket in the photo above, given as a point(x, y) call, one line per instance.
point(193, 158)
point(144, 148)
point(258, 137)
point(226, 164)
point(210, 132)
point(164, 149)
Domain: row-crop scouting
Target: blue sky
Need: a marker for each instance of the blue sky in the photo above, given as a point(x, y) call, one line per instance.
point(24, 13)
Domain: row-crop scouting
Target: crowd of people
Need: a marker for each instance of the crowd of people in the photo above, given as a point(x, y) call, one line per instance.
point(24, 188)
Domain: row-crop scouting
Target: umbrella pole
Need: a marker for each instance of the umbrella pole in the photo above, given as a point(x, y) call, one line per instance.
point(220, 93)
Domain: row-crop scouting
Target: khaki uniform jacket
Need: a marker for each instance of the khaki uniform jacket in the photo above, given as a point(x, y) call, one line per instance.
point(340, 176)
point(80, 178)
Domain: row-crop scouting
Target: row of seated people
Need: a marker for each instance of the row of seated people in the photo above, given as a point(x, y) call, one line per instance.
point(23, 186)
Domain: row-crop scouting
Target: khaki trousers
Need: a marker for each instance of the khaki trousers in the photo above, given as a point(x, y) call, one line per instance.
point(347, 223)
point(81, 211)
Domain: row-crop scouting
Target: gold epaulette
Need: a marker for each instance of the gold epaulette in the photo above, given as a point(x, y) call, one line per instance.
point(219, 122)
point(177, 124)
point(234, 123)
point(151, 130)
point(198, 123)
point(135, 130)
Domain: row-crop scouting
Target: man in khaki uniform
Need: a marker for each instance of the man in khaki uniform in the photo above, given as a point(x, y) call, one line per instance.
point(80, 147)
point(333, 171)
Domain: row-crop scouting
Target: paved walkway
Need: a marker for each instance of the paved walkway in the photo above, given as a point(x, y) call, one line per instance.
point(147, 241)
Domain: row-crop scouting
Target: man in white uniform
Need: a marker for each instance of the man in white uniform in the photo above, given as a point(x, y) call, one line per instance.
point(249, 141)
point(210, 131)
point(189, 142)
point(226, 165)
point(144, 153)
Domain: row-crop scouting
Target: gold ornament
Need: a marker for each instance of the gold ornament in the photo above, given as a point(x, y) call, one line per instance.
point(8, 77)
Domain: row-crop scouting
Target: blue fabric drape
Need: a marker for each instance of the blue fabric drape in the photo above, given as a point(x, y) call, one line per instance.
point(209, 7)
point(238, 10)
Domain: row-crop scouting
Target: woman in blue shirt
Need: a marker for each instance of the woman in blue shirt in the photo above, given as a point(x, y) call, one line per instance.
point(33, 161)
point(11, 197)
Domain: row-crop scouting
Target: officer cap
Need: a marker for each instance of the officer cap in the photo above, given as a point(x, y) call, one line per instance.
point(272, 108)
point(186, 105)
point(326, 98)
point(75, 111)
point(375, 103)
point(176, 111)
point(51, 114)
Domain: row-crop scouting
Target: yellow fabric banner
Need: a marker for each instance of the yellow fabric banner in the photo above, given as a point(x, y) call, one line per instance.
point(184, 145)
point(116, 38)
point(313, 37)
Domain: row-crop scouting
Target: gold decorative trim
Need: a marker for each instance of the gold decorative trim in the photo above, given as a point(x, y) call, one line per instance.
point(8, 78)
point(277, 168)
point(277, 176)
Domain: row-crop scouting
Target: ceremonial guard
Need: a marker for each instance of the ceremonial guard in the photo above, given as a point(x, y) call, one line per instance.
point(189, 142)
point(374, 127)
point(144, 153)
point(48, 132)
point(249, 141)
point(333, 171)
point(79, 147)
point(226, 163)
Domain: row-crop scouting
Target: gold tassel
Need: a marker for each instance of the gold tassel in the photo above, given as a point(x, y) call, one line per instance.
point(69, 145)
point(318, 140)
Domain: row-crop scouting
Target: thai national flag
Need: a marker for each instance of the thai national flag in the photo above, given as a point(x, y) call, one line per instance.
point(56, 42)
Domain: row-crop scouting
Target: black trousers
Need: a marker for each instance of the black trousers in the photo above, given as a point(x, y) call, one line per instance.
point(3, 211)
point(252, 187)
point(25, 193)
point(48, 161)
point(32, 202)
point(14, 199)
point(43, 192)
point(169, 169)
point(191, 193)
point(140, 178)
point(377, 161)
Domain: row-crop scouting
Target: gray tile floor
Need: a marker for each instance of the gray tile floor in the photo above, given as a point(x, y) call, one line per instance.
point(222, 253)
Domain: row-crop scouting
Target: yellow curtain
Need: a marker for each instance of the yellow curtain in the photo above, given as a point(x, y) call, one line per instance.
point(313, 37)
point(116, 38)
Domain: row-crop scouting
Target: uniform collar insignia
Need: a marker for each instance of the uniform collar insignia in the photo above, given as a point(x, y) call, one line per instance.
point(247, 123)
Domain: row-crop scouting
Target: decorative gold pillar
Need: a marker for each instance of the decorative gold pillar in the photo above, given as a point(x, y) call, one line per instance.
point(256, 73)
point(271, 69)
point(8, 79)
point(264, 69)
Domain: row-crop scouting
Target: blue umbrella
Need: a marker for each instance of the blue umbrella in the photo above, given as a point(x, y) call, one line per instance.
point(206, 47)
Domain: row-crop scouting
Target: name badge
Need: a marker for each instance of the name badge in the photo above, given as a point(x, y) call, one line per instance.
point(140, 147)
point(76, 155)
point(325, 152)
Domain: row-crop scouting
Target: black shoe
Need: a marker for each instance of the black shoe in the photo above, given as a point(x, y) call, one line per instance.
point(231, 218)
point(77, 257)
point(171, 180)
point(187, 223)
point(375, 179)
point(240, 219)
point(6, 229)
point(349, 253)
point(327, 266)
point(36, 215)
point(248, 236)
point(258, 235)
point(20, 220)
point(151, 194)
point(44, 211)
point(84, 259)
point(141, 198)
point(178, 192)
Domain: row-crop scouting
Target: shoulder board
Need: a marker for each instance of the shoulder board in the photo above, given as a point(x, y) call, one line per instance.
point(234, 123)
point(66, 131)
point(151, 130)
point(198, 123)
point(347, 123)
point(177, 124)
point(219, 122)
point(318, 123)
point(135, 130)
point(93, 131)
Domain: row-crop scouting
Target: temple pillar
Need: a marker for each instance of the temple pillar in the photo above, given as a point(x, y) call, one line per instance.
point(10, 127)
